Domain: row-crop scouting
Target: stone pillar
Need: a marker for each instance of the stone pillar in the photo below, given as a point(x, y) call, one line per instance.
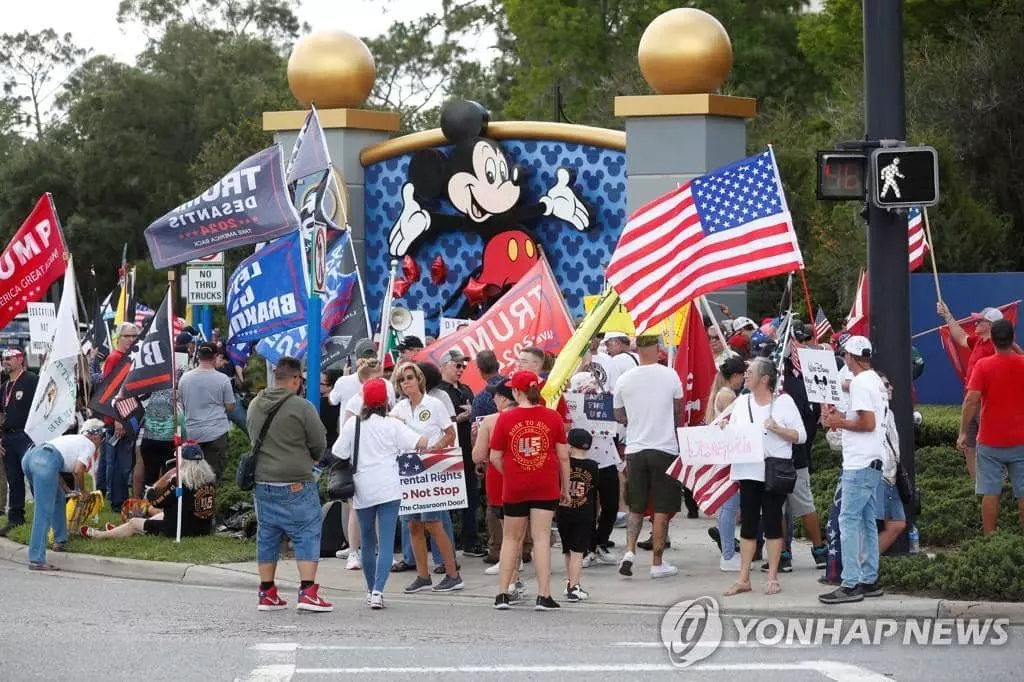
point(672, 138)
point(348, 132)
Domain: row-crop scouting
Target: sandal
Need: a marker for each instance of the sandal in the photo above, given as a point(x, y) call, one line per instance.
point(772, 587)
point(737, 588)
point(57, 547)
point(42, 567)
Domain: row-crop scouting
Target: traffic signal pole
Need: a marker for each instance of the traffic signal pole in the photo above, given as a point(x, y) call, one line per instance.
point(888, 275)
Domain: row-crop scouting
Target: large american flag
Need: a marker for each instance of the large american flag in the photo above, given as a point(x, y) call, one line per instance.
point(710, 484)
point(412, 464)
point(723, 228)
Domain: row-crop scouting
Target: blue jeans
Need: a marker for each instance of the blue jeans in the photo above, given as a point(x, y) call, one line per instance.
point(407, 554)
point(379, 519)
point(858, 529)
point(15, 446)
point(42, 465)
point(727, 515)
point(119, 458)
point(287, 510)
point(237, 416)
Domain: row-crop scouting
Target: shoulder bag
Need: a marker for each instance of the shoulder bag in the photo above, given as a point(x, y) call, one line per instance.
point(779, 472)
point(245, 475)
point(341, 482)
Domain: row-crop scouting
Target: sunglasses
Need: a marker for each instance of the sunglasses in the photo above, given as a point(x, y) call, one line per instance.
point(460, 365)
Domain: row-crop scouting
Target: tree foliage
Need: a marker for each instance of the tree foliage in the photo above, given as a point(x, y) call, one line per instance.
point(27, 65)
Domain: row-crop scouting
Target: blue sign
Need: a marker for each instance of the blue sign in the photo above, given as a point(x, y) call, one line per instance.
point(267, 292)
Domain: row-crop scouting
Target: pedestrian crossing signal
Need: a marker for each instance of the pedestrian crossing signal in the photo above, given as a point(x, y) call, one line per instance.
point(902, 177)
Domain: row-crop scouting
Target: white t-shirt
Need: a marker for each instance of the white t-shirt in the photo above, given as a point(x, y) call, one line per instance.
point(785, 414)
point(624, 362)
point(446, 400)
point(74, 448)
point(429, 418)
point(354, 405)
point(381, 441)
point(867, 394)
point(344, 388)
point(647, 393)
point(844, 395)
point(602, 449)
point(605, 364)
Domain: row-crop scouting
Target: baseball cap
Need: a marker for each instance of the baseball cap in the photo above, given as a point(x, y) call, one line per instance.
point(389, 362)
point(501, 388)
point(743, 323)
point(454, 355)
point(92, 426)
point(616, 335)
point(183, 339)
point(13, 353)
point(375, 393)
point(364, 349)
point(580, 439)
point(988, 315)
point(858, 346)
point(191, 450)
point(523, 380)
point(410, 342)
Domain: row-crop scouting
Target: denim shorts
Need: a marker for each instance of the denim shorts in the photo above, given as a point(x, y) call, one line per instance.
point(991, 462)
point(888, 505)
point(426, 517)
point(291, 511)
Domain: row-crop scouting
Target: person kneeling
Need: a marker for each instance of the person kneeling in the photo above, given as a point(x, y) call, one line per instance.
point(198, 498)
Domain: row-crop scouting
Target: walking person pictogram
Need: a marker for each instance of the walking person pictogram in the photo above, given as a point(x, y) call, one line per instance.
point(889, 174)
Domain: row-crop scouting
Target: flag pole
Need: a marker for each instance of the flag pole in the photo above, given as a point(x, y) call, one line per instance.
point(961, 321)
point(385, 313)
point(359, 281)
point(174, 402)
point(810, 308)
point(931, 251)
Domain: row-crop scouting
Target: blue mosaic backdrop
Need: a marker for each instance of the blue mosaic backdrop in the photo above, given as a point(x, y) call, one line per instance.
point(577, 258)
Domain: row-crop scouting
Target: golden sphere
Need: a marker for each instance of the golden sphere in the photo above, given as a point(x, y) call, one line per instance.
point(685, 51)
point(332, 69)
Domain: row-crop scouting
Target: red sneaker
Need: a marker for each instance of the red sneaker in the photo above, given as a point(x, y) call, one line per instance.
point(310, 600)
point(85, 531)
point(269, 601)
point(109, 526)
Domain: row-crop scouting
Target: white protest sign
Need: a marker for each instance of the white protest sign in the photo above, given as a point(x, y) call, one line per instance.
point(735, 444)
point(205, 285)
point(42, 324)
point(450, 325)
point(821, 376)
point(592, 412)
point(432, 481)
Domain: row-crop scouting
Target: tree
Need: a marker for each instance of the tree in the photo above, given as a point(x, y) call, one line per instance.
point(30, 61)
point(272, 20)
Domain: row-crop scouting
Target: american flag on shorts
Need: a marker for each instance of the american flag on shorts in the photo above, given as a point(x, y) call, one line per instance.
point(723, 228)
point(711, 484)
point(412, 464)
point(822, 327)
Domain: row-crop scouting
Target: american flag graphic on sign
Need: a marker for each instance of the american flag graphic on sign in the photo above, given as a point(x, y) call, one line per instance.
point(412, 464)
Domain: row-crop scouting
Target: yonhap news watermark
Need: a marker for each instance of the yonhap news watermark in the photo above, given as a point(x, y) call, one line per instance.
point(694, 629)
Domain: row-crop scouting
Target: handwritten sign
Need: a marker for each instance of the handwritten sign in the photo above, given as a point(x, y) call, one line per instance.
point(42, 325)
point(593, 412)
point(450, 325)
point(432, 481)
point(821, 376)
point(736, 444)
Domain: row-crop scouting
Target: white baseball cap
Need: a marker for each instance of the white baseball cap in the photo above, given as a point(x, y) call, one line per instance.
point(858, 347)
point(988, 314)
point(742, 323)
point(622, 336)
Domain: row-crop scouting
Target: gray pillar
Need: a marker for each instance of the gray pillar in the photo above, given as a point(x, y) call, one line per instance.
point(670, 139)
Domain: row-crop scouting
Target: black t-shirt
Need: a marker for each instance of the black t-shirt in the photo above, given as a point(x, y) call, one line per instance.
point(197, 512)
point(583, 475)
point(462, 395)
point(793, 386)
point(16, 400)
point(329, 415)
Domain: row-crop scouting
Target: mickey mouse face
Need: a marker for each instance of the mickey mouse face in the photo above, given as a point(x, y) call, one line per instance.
point(489, 187)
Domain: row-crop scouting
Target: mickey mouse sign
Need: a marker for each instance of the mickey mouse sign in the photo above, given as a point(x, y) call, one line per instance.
point(487, 194)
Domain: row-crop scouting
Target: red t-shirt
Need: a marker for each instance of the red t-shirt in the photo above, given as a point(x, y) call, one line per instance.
point(979, 349)
point(998, 378)
point(494, 483)
point(740, 344)
point(108, 366)
point(527, 437)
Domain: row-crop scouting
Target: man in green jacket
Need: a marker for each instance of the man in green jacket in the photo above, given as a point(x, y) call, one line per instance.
point(286, 494)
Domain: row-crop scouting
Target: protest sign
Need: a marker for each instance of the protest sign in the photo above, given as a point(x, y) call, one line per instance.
point(433, 481)
point(450, 325)
point(593, 412)
point(42, 323)
point(821, 375)
point(736, 444)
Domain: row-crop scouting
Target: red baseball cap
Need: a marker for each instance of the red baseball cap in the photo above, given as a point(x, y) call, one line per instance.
point(523, 380)
point(389, 362)
point(375, 393)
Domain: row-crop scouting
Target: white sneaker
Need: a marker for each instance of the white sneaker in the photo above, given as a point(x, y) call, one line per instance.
point(376, 601)
point(626, 564)
point(605, 557)
point(493, 570)
point(590, 560)
point(732, 565)
point(342, 553)
point(663, 571)
point(354, 564)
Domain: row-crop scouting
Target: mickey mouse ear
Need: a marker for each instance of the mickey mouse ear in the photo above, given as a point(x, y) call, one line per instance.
point(462, 120)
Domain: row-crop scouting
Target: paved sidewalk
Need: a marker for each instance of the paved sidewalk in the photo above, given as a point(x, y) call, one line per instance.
point(692, 551)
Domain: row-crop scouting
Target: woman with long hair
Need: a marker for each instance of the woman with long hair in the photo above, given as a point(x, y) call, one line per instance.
point(530, 450)
point(198, 499)
point(782, 427)
point(381, 440)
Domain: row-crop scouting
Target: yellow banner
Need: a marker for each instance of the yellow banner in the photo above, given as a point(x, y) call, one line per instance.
point(569, 357)
point(620, 321)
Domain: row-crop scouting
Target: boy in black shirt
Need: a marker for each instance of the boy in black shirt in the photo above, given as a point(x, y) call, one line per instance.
point(576, 522)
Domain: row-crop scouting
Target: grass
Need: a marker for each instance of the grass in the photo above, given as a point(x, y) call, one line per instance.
point(210, 549)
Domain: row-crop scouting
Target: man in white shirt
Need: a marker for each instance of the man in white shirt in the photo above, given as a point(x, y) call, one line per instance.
point(618, 347)
point(649, 401)
point(863, 431)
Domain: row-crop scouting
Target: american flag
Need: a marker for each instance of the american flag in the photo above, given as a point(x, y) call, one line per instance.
point(723, 228)
point(916, 238)
point(822, 327)
point(711, 484)
point(143, 312)
point(412, 464)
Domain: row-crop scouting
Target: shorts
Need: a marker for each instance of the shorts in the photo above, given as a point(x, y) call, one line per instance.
point(498, 511)
point(972, 432)
point(647, 482)
point(522, 509)
point(575, 530)
point(888, 505)
point(291, 511)
point(992, 462)
point(154, 527)
point(426, 517)
point(801, 501)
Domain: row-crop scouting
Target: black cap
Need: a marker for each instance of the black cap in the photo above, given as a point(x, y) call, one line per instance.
point(580, 439)
point(501, 388)
point(410, 342)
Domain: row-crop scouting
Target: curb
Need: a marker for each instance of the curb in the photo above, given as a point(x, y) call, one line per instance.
point(982, 609)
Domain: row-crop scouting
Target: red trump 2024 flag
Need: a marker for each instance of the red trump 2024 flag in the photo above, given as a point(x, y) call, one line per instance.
point(34, 259)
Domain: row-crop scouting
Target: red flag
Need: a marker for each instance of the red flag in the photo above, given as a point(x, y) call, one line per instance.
point(531, 313)
point(858, 321)
point(958, 355)
point(33, 260)
point(695, 363)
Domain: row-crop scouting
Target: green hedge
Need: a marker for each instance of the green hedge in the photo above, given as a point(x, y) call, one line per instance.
point(940, 425)
point(983, 568)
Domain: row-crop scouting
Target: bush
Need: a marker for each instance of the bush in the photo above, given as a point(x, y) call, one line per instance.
point(228, 493)
point(940, 425)
point(984, 568)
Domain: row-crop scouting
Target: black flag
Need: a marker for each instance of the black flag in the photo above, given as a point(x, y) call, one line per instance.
point(152, 356)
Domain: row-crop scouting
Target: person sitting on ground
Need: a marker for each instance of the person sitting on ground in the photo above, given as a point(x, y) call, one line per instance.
point(198, 495)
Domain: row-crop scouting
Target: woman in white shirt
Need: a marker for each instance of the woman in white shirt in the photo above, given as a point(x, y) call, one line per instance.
point(378, 494)
point(783, 426)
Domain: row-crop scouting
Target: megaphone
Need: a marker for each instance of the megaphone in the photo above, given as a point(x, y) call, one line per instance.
point(401, 319)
